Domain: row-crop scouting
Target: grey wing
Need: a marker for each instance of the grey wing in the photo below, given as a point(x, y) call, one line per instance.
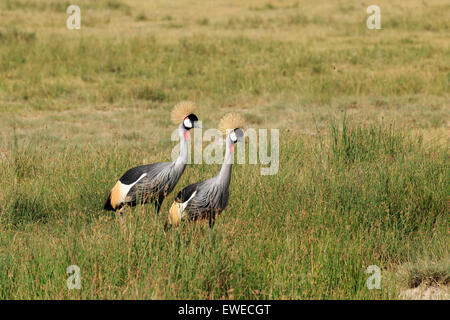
point(210, 197)
point(153, 184)
point(185, 194)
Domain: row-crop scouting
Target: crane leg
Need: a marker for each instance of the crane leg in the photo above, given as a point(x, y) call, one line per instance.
point(158, 204)
point(211, 235)
point(157, 208)
point(120, 213)
point(212, 220)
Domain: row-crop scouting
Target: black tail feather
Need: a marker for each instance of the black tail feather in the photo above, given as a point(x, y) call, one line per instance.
point(108, 205)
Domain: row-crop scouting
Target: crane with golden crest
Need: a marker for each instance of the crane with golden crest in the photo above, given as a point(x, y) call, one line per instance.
point(208, 198)
point(153, 182)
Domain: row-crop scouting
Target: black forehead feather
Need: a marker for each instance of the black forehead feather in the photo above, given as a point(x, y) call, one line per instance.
point(192, 117)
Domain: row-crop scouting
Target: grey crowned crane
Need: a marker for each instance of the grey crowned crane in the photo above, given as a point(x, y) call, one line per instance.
point(153, 182)
point(206, 199)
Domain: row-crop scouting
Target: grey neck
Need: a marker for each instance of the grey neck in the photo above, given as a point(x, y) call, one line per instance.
point(184, 152)
point(224, 176)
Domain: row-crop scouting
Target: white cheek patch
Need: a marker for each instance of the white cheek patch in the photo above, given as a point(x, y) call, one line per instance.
point(187, 123)
point(233, 136)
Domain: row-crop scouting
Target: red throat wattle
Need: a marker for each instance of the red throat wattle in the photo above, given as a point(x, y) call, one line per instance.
point(186, 135)
point(231, 148)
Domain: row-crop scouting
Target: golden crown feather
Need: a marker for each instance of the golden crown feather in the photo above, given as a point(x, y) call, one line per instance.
point(231, 121)
point(182, 110)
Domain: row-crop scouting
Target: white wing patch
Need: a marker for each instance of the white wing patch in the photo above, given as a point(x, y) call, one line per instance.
point(125, 188)
point(183, 205)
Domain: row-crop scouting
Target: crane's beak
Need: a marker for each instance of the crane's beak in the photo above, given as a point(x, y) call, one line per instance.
point(197, 124)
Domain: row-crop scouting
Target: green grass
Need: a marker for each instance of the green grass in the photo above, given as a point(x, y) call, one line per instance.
point(360, 196)
point(240, 67)
point(364, 134)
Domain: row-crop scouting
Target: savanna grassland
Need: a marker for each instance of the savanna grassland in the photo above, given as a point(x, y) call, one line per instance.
point(364, 122)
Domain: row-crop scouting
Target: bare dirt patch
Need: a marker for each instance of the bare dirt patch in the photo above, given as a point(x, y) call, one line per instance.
point(426, 293)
